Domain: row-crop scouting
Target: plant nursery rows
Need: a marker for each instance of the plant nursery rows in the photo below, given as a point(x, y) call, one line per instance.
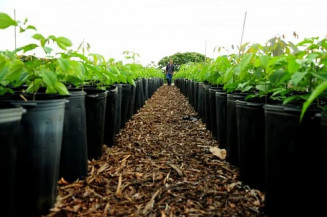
point(267, 107)
point(77, 139)
point(53, 137)
point(56, 112)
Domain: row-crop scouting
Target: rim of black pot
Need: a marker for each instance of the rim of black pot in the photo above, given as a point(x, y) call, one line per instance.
point(223, 93)
point(8, 105)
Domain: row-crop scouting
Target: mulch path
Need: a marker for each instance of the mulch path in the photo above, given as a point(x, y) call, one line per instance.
point(161, 165)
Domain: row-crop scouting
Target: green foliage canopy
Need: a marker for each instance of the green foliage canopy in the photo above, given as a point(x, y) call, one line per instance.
point(182, 58)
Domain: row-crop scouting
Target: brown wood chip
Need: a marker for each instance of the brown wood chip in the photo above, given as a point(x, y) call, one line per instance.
point(160, 166)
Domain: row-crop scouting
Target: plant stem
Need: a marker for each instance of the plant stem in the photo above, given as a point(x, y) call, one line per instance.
point(239, 50)
point(15, 29)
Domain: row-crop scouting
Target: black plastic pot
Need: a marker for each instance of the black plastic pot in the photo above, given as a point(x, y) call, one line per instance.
point(39, 156)
point(206, 103)
point(190, 91)
point(10, 117)
point(183, 90)
point(180, 84)
point(131, 104)
point(118, 108)
point(177, 83)
point(73, 160)
point(251, 139)
point(95, 104)
point(156, 84)
point(291, 161)
point(161, 81)
point(221, 118)
point(195, 95)
point(322, 157)
point(201, 100)
point(185, 86)
point(188, 88)
point(139, 95)
point(145, 88)
point(150, 86)
point(232, 147)
point(112, 109)
point(212, 120)
point(126, 92)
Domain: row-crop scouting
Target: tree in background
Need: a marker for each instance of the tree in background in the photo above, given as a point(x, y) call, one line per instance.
point(181, 58)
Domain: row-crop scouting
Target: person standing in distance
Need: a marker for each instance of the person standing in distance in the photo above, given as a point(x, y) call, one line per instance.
point(170, 68)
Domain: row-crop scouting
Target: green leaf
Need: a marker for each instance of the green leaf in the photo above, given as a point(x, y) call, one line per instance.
point(313, 47)
point(243, 46)
point(312, 57)
point(31, 27)
point(52, 37)
point(49, 78)
point(63, 42)
point(63, 64)
point(322, 75)
point(3, 73)
point(26, 48)
point(22, 79)
point(297, 77)
point(292, 66)
point(73, 79)
point(21, 30)
point(280, 91)
point(76, 67)
point(34, 86)
point(228, 75)
point(130, 80)
point(47, 50)
point(61, 88)
point(81, 56)
point(40, 38)
point(115, 70)
point(244, 65)
point(305, 41)
point(3, 61)
point(245, 61)
point(323, 43)
point(264, 59)
point(315, 94)
point(122, 78)
point(4, 90)
point(14, 71)
point(277, 76)
point(262, 87)
point(50, 90)
point(6, 21)
point(247, 88)
point(292, 98)
point(258, 73)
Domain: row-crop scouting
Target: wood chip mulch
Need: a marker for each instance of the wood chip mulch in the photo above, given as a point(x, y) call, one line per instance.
point(161, 165)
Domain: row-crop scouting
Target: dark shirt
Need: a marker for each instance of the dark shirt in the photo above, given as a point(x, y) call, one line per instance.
point(170, 69)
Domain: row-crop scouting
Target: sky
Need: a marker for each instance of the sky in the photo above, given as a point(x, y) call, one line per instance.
point(158, 28)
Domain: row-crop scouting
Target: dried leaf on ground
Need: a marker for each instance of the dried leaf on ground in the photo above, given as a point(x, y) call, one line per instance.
point(221, 153)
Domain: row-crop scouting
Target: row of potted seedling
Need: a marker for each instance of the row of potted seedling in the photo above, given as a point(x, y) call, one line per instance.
point(57, 112)
point(266, 107)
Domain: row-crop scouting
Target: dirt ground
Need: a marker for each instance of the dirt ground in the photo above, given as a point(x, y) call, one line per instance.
point(161, 165)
